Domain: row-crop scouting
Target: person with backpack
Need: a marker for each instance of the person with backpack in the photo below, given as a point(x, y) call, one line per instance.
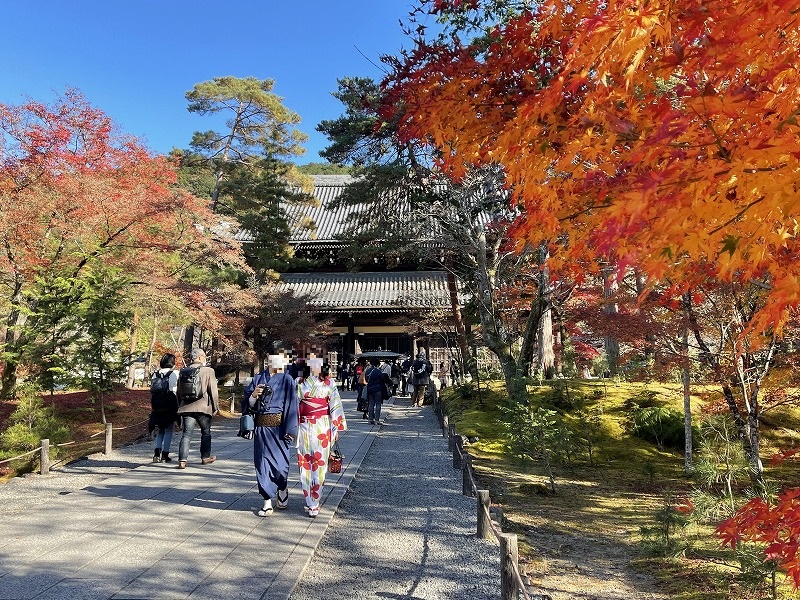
point(375, 390)
point(163, 406)
point(271, 397)
point(421, 370)
point(198, 399)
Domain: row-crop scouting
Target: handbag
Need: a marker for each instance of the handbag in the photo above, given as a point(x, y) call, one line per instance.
point(246, 426)
point(335, 459)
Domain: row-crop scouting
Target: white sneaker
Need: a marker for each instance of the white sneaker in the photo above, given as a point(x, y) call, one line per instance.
point(313, 512)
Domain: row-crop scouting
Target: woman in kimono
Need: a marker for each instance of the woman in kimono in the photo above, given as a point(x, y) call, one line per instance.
point(272, 398)
point(321, 420)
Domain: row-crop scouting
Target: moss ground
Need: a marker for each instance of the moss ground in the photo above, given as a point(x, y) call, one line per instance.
point(620, 492)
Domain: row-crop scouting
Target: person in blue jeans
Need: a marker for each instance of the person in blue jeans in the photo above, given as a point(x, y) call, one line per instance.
point(198, 412)
point(374, 377)
point(164, 406)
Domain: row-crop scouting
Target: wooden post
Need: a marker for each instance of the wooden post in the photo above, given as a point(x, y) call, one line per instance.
point(458, 451)
point(233, 403)
point(445, 426)
point(466, 473)
point(509, 557)
point(451, 438)
point(498, 516)
point(109, 430)
point(484, 526)
point(44, 457)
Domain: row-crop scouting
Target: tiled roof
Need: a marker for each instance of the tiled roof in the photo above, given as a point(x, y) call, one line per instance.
point(377, 292)
point(328, 223)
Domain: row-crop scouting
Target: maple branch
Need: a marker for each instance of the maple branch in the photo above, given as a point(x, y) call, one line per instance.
point(585, 211)
point(737, 216)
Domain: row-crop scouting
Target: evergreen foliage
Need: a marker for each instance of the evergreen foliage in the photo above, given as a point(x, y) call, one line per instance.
point(31, 422)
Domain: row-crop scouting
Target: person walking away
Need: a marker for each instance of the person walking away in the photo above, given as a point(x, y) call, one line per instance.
point(405, 376)
point(394, 376)
point(421, 370)
point(272, 398)
point(321, 420)
point(374, 378)
point(164, 406)
point(455, 373)
point(443, 373)
point(198, 399)
point(346, 376)
point(362, 404)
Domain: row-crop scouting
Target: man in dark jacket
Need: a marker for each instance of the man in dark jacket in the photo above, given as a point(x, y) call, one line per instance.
point(421, 370)
point(374, 391)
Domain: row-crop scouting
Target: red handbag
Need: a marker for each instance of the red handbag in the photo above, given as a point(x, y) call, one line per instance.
point(335, 459)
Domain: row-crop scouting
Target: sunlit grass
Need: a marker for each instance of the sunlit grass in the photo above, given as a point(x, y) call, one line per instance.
point(623, 490)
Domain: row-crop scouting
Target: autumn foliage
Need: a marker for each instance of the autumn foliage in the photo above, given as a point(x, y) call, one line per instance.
point(660, 134)
point(773, 526)
point(649, 133)
point(76, 195)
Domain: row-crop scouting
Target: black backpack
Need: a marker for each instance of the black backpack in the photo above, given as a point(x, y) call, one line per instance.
point(161, 397)
point(190, 388)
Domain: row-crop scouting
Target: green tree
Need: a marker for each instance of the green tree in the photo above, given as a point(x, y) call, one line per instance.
point(258, 125)
point(318, 168)
point(412, 206)
point(31, 422)
point(100, 318)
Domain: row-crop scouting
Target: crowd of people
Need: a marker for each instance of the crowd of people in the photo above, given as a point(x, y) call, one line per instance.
point(294, 408)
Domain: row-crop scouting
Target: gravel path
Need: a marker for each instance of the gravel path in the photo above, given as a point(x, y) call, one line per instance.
point(32, 489)
point(403, 530)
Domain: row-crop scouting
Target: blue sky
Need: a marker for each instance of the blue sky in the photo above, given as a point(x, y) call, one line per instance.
point(135, 60)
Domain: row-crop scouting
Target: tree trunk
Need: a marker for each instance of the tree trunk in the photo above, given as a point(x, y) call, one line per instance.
point(546, 356)
point(12, 347)
point(649, 339)
point(687, 401)
point(132, 366)
point(610, 308)
point(469, 364)
point(514, 378)
point(558, 345)
point(148, 364)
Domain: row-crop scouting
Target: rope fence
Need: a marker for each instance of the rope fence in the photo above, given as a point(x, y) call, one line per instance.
point(45, 445)
point(511, 582)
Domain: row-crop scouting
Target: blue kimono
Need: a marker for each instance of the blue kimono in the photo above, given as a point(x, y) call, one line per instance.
point(270, 447)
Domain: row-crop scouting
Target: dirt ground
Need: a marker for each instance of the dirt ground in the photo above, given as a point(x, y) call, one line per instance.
point(577, 544)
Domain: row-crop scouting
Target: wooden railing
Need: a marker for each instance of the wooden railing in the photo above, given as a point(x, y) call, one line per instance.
point(511, 582)
point(44, 448)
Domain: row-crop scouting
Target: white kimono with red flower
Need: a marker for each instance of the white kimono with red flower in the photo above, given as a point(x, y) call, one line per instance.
point(321, 420)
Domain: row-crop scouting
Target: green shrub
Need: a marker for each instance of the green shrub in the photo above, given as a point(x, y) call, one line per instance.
point(31, 422)
point(660, 425)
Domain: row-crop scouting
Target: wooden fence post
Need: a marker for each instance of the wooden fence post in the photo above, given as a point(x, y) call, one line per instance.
point(451, 438)
point(445, 426)
point(498, 516)
point(44, 457)
point(484, 527)
point(109, 430)
point(466, 472)
point(509, 557)
point(458, 451)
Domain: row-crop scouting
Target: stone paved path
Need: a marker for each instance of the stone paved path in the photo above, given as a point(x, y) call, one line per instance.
point(122, 527)
point(153, 531)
